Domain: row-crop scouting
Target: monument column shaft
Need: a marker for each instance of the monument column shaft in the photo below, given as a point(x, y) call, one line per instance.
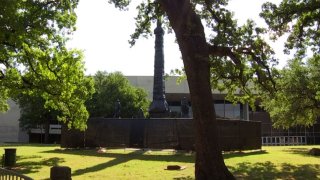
point(159, 106)
point(159, 84)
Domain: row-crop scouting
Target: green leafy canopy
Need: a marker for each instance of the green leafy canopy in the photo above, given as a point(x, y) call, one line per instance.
point(33, 112)
point(112, 87)
point(297, 99)
point(300, 19)
point(34, 59)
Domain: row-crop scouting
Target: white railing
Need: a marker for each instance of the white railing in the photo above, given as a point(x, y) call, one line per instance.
point(54, 129)
point(283, 140)
point(11, 175)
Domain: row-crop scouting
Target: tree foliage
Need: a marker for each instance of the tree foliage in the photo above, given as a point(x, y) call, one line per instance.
point(33, 112)
point(296, 101)
point(300, 19)
point(112, 87)
point(34, 59)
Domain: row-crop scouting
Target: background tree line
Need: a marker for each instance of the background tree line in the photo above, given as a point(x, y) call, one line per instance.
point(108, 89)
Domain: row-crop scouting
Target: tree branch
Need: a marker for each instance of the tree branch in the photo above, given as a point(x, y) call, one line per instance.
point(2, 75)
point(222, 51)
point(258, 60)
point(54, 72)
point(5, 63)
point(214, 16)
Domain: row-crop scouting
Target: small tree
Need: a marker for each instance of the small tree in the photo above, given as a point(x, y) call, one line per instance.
point(112, 87)
point(33, 113)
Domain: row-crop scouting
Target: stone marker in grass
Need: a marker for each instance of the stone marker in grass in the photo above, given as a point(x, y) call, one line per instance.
point(314, 152)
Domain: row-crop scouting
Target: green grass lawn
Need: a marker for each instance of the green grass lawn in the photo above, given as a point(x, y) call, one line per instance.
point(280, 162)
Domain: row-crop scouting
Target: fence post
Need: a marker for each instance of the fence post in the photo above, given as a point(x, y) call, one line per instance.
point(9, 157)
point(60, 173)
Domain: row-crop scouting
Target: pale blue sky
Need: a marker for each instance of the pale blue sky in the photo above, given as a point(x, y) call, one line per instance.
point(103, 33)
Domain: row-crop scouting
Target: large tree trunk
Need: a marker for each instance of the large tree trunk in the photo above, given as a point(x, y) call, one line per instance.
point(192, 42)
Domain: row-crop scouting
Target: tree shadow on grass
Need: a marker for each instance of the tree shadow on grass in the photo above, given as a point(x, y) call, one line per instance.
point(17, 145)
point(120, 158)
point(184, 178)
point(123, 158)
point(136, 154)
point(268, 170)
point(34, 165)
point(20, 158)
point(228, 155)
point(300, 151)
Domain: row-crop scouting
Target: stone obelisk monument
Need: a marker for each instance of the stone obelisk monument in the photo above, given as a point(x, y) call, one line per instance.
point(159, 107)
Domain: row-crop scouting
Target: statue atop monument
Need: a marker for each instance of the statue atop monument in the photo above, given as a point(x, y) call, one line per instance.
point(184, 108)
point(117, 109)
